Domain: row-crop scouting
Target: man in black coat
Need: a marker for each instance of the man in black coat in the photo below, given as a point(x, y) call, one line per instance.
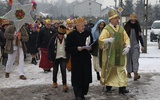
point(44, 37)
point(78, 45)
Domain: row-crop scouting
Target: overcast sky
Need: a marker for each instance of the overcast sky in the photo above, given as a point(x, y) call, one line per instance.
point(108, 2)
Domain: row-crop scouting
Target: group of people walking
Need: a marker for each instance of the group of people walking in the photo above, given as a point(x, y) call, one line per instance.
point(72, 45)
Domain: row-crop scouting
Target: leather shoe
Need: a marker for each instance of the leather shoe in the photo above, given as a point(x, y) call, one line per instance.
point(65, 88)
point(7, 75)
point(129, 75)
point(123, 92)
point(22, 77)
point(55, 85)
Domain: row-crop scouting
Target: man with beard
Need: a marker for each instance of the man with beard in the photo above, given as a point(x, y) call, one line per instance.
point(133, 30)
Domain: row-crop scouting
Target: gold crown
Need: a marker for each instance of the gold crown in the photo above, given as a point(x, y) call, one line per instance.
point(47, 21)
point(61, 29)
point(133, 16)
point(69, 21)
point(112, 14)
point(79, 20)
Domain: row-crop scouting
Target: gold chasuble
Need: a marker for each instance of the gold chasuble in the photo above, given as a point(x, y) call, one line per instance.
point(113, 69)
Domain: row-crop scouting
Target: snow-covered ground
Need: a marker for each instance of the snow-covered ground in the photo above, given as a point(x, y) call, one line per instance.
point(149, 62)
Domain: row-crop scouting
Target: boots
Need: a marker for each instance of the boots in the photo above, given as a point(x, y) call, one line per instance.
point(34, 61)
point(129, 75)
point(136, 76)
point(55, 85)
point(108, 89)
point(98, 76)
point(65, 88)
point(123, 90)
point(6, 75)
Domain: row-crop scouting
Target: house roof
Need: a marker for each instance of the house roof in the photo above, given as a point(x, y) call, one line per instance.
point(88, 1)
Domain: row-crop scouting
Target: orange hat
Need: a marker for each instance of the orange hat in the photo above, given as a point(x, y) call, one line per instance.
point(5, 22)
point(133, 17)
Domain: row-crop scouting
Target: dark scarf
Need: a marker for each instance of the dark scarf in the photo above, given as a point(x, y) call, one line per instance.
point(135, 26)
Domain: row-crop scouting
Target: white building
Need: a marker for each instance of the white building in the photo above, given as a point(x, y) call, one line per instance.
point(88, 8)
point(104, 12)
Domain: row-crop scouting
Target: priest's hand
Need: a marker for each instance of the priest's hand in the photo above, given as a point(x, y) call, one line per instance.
point(111, 39)
point(88, 48)
point(79, 48)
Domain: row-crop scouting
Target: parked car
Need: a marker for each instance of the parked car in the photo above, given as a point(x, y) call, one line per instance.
point(158, 40)
point(155, 30)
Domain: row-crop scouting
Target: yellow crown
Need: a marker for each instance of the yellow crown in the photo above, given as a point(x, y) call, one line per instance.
point(69, 21)
point(48, 21)
point(79, 20)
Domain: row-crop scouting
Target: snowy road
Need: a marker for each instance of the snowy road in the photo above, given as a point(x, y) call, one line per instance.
point(38, 85)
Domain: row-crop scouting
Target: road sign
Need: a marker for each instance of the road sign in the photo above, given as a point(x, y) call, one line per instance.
point(120, 9)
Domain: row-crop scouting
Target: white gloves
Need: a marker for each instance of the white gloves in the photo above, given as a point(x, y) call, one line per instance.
point(111, 39)
point(126, 50)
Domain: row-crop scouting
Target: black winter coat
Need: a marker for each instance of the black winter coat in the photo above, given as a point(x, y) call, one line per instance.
point(31, 44)
point(81, 72)
point(44, 37)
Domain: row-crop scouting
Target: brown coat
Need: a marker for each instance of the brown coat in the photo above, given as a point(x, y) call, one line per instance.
point(9, 35)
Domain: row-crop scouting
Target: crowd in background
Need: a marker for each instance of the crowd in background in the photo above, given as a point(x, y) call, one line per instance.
point(71, 44)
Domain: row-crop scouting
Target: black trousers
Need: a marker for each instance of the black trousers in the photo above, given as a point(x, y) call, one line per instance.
point(62, 62)
point(80, 91)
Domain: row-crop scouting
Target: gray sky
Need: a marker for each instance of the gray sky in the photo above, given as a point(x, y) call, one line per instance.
point(108, 2)
point(105, 2)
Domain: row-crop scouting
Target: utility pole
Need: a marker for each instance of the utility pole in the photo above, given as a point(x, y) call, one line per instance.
point(121, 4)
point(115, 4)
point(145, 21)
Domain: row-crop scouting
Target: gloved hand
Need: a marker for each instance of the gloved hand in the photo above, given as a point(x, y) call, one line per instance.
point(111, 39)
point(126, 50)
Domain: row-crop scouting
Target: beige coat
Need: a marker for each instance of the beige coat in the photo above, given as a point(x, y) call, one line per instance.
point(9, 35)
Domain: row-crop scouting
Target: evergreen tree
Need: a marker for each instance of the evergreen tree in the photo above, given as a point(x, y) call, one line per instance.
point(127, 8)
point(139, 10)
point(156, 14)
point(150, 15)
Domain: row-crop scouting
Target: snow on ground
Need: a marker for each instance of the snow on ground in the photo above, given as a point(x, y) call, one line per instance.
point(149, 62)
